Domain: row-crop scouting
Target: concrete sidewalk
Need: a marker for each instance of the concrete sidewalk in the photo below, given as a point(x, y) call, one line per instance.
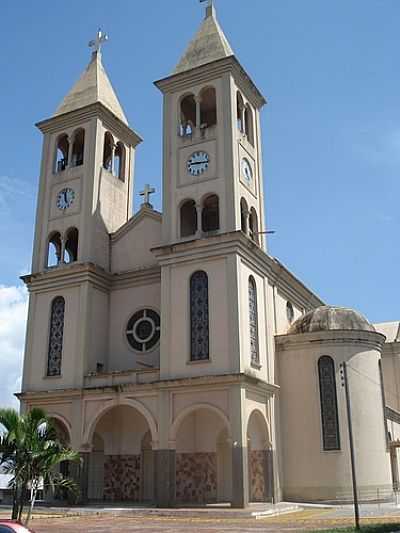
point(211, 511)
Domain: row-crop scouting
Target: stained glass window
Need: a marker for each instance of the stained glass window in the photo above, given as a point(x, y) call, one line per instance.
point(329, 410)
point(143, 330)
point(199, 322)
point(253, 322)
point(56, 337)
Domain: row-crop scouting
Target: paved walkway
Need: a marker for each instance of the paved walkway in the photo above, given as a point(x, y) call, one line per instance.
point(100, 519)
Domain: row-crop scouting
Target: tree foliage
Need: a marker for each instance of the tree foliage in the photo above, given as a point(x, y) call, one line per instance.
point(31, 452)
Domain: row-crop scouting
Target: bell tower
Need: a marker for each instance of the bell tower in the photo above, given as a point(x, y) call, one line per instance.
point(86, 172)
point(212, 142)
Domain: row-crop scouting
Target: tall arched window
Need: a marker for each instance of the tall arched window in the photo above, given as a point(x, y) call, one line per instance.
point(199, 323)
point(253, 225)
point(208, 107)
point(210, 214)
point(78, 147)
point(244, 216)
point(188, 218)
point(62, 152)
point(108, 151)
point(253, 322)
point(56, 336)
point(71, 246)
point(54, 250)
point(119, 161)
point(329, 409)
point(188, 116)
point(240, 111)
point(248, 124)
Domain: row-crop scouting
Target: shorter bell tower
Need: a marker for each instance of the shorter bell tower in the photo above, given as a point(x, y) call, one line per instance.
point(86, 172)
point(212, 142)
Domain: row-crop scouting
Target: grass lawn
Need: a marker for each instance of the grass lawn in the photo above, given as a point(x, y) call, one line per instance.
point(376, 528)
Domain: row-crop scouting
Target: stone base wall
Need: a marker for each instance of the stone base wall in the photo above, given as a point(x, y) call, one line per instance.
point(122, 478)
point(196, 477)
point(257, 471)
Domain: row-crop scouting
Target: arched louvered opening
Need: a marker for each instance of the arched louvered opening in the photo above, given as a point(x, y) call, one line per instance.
point(199, 317)
point(188, 218)
point(244, 216)
point(208, 108)
point(253, 322)
point(248, 124)
point(240, 112)
point(187, 116)
point(108, 151)
point(78, 147)
point(62, 152)
point(253, 225)
point(56, 335)
point(329, 408)
point(210, 214)
point(119, 161)
point(71, 246)
point(54, 250)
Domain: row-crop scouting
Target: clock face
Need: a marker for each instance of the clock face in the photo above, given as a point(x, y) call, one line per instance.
point(198, 163)
point(247, 171)
point(65, 198)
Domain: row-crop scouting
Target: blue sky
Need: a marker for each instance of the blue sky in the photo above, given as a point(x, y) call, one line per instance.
point(331, 129)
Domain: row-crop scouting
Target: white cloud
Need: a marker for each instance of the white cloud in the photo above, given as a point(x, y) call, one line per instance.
point(13, 313)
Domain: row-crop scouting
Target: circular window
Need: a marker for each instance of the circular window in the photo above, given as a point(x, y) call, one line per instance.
point(289, 312)
point(143, 330)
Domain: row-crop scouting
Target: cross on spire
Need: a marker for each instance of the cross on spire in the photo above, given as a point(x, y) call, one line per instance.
point(210, 10)
point(96, 43)
point(146, 194)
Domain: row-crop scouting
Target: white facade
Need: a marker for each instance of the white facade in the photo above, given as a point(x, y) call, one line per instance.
point(159, 342)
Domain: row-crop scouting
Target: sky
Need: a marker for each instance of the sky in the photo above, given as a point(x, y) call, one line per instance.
point(331, 130)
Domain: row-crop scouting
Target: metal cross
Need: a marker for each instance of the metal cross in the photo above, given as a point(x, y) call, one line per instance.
point(100, 39)
point(146, 194)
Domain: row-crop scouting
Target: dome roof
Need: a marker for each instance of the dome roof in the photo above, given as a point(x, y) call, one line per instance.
point(327, 318)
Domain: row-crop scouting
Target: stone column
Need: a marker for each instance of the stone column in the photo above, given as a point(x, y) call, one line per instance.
point(198, 112)
point(199, 221)
point(240, 467)
point(269, 476)
point(164, 477)
point(81, 476)
point(240, 476)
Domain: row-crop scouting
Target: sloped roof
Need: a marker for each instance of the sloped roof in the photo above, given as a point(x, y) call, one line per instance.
point(391, 330)
point(93, 86)
point(209, 44)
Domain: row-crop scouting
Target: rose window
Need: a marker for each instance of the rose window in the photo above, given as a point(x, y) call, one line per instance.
point(143, 330)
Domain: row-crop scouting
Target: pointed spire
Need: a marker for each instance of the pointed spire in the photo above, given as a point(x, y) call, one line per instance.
point(209, 43)
point(93, 86)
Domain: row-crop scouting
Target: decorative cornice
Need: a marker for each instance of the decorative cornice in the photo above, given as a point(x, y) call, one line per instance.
point(160, 384)
point(392, 415)
point(209, 71)
point(236, 242)
point(75, 118)
point(370, 339)
point(72, 275)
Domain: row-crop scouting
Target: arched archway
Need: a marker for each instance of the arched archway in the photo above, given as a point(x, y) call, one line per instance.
point(65, 468)
point(117, 436)
point(203, 455)
point(259, 458)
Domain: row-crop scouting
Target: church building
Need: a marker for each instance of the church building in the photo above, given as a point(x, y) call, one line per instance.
point(183, 362)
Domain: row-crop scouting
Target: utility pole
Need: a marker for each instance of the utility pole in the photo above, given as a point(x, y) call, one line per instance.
point(345, 384)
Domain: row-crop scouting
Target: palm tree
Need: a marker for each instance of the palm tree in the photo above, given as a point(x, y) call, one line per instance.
point(31, 451)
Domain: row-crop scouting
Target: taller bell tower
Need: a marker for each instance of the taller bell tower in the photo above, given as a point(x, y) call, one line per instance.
point(212, 142)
